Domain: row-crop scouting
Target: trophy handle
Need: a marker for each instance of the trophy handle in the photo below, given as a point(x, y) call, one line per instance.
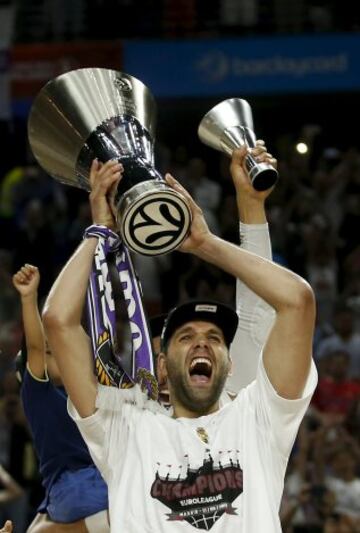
point(262, 175)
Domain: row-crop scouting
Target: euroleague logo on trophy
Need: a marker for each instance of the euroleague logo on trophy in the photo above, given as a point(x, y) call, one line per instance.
point(106, 114)
point(162, 228)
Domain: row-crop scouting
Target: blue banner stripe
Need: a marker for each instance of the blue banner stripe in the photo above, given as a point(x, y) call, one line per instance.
point(246, 66)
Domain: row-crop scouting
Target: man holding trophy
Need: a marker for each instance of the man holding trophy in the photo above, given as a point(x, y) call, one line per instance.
point(197, 465)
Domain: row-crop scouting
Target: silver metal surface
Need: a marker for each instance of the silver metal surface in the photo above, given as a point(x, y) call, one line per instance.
point(229, 125)
point(72, 106)
point(219, 128)
point(105, 114)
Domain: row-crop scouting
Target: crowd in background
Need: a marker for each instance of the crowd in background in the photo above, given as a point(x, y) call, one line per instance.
point(314, 216)
point(55, 20)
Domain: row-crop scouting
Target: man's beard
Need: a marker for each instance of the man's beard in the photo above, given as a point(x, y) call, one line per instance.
point(197, 400)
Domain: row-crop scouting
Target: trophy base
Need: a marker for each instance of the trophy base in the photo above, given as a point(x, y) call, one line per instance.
point(263, 176)
point(153, 218)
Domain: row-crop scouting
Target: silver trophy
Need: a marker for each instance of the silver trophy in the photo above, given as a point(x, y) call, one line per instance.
point(229, 125)
point(105, 114)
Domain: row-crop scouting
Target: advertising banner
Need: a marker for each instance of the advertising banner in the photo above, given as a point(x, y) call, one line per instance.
point(266, 65)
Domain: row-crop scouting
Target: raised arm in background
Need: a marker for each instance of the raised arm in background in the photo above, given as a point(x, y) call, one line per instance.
point(26, 282)
point(255, 315)
point(288, 349)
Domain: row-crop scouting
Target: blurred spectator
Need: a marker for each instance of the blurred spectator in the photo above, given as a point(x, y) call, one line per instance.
point(64, 19)
point(35, 185)
point(295, 219)
point(10, 334)
point(320, 17)
point(344, 338)
point(338, 523)
point(9, 308)
point(328, 183)
point(199, 281)
point(236, 14)
point(36, 243)
point(306, 503)
point(20, 458)
point(289, 21)
point(179, 165)
point(336, 392)
point(10, 491)
point(8, 184)
point(226, 216)
point(321, 266)
point(206, 192)
point(150, 271)
point(179, 17)
point(348, 230)
point(78, 225)
point(344, 482)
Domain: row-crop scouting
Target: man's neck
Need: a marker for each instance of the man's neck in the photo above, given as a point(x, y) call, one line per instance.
point(180, 411)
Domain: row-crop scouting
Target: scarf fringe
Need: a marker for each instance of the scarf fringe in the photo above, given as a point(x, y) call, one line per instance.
point(114, 399)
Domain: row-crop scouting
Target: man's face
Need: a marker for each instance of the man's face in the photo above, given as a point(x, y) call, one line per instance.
point(197, 364)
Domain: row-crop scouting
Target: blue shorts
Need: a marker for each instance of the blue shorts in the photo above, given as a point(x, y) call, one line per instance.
point(76, 495)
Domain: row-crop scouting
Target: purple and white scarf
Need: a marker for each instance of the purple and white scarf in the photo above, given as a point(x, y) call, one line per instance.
point(109, 363)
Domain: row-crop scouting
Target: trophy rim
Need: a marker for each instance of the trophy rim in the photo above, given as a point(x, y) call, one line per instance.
point(59, 156)
point(211, 111)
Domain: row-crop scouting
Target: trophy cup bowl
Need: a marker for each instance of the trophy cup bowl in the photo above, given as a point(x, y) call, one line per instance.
point(99, 113)
point(228, 126)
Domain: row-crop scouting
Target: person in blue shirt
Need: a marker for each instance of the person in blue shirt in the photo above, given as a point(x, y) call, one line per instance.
point(75, 493)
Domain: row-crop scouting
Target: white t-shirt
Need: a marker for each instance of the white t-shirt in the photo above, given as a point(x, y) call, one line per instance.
point(162, 477)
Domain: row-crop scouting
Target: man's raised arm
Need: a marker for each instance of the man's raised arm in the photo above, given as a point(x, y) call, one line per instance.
point(287, 353)
point(64, 306)
point(255, 316)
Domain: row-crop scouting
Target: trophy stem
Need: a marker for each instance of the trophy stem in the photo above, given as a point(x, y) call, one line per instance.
point(262, 175)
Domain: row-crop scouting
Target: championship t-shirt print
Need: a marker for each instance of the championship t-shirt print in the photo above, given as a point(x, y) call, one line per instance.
point(200, 496)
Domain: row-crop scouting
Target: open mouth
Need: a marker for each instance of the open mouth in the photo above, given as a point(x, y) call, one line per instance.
point(200, 370)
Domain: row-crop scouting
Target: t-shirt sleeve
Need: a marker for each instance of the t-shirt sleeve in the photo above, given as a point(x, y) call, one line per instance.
point(279, 416)
point(256, 317)
point(34, 389)
point(106, 432)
